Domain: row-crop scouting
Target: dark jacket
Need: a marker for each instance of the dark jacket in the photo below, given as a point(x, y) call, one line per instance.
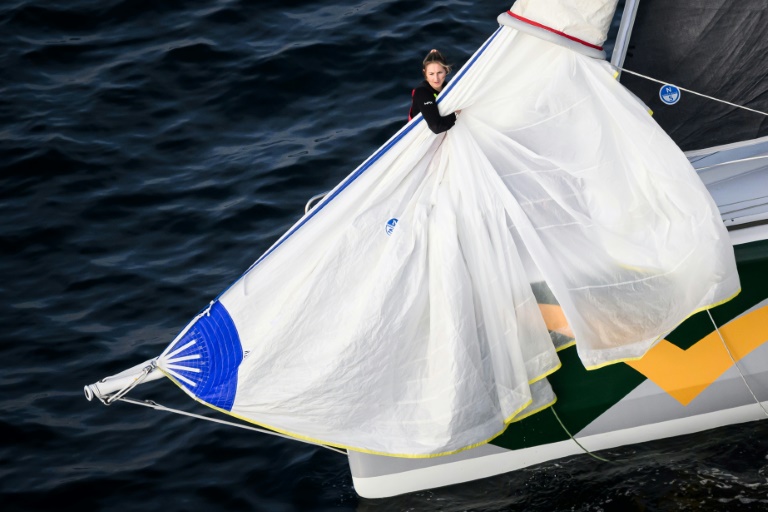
point(425, 102)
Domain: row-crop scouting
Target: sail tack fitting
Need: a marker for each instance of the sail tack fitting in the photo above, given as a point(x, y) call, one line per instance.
point(110, 389)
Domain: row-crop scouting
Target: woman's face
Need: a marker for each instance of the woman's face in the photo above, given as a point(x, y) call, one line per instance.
point(435, 75)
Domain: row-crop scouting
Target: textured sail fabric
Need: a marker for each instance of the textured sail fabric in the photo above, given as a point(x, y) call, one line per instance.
point(588, 20)
point(399, 316)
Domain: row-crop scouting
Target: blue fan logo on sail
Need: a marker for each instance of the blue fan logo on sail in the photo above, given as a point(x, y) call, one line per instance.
point(391, 223)
point(669, 94)
point(205, 359)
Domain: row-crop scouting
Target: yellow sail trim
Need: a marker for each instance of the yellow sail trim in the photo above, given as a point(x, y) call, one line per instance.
point(554, 317)
point(656, 341)
point(511, 419)
point(301, 437)
point(546, 374)
point(534, 411)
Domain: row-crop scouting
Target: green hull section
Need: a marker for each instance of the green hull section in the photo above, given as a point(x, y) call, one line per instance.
point(583, 396)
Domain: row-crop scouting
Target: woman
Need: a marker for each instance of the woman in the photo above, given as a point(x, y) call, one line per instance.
point(435, 70)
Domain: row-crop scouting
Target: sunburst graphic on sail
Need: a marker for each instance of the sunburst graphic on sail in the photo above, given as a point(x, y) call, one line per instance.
point(205, 358)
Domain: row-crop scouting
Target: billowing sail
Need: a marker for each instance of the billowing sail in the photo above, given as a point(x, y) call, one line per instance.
point(399, 316)
point(714, 48)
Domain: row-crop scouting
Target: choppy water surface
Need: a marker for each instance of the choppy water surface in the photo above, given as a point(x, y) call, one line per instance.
point(150, 151)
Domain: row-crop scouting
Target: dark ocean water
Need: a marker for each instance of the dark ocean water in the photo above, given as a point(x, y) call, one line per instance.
point(150, 152)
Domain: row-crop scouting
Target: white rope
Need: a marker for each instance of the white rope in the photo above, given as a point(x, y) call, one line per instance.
point(158, 407)
point(696, 93)
point(735, 364)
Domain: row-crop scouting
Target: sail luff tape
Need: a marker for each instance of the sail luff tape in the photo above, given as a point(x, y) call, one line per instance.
point(511, 20)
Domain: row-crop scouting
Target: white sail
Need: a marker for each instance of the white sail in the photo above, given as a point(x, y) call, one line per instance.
point(398, 317)
point(586, 20)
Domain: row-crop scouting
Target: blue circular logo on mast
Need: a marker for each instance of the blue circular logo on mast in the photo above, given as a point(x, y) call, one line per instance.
point(669, 94)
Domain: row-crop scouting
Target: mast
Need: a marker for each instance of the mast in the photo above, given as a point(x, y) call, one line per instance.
point(625, 32)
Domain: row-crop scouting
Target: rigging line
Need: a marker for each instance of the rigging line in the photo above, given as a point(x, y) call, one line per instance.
point(696, 93)
point(746, 201)
point(574, 439)
point(119, 395)
point(737, 210)
point(731, 162)
point(735, 364)
point(154, 405)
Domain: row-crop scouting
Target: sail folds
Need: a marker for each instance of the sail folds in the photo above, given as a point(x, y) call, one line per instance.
point(399, 316)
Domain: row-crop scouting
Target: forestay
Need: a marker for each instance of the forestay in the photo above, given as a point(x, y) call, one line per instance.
point(398, 316)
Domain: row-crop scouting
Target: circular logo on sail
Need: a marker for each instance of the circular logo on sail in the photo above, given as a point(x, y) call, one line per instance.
point(391, 223)
point(669, 94)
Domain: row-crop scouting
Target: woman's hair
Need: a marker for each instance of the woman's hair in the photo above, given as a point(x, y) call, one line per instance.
point(436, 56)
